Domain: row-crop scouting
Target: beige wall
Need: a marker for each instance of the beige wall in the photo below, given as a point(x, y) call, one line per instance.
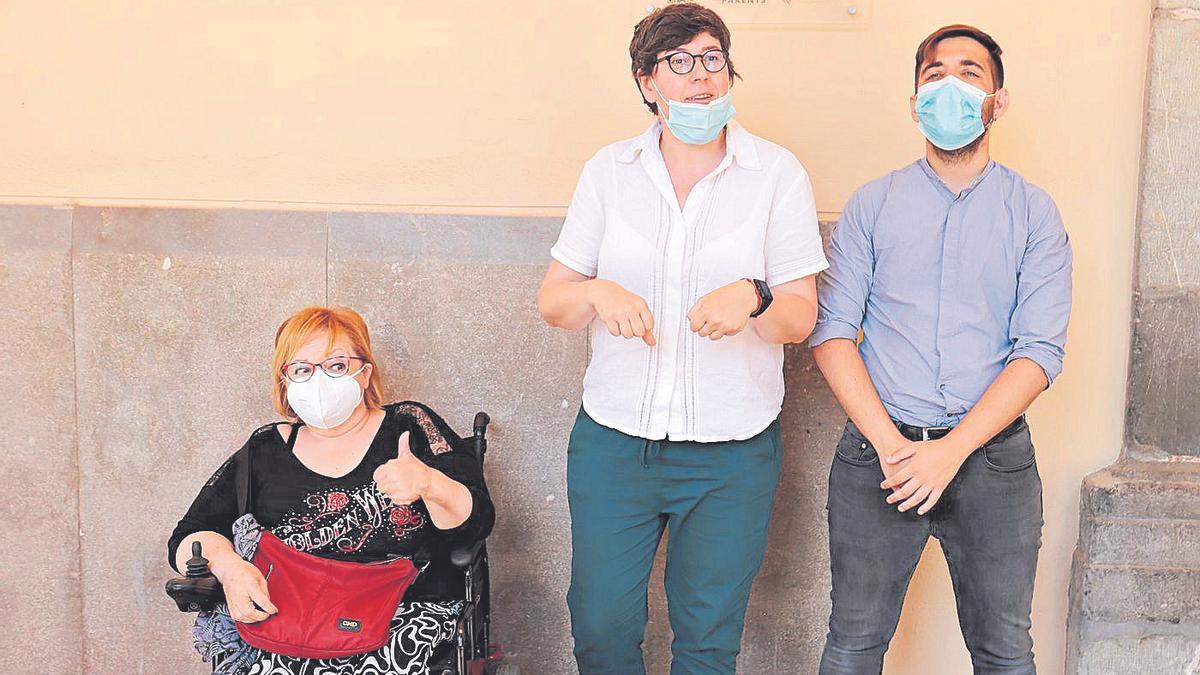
point(492, 107)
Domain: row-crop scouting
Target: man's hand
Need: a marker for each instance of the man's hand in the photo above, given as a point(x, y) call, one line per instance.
point(925, 468)
point(893, 442)
point(725, 311)
point(890, 469)
point(405, 479)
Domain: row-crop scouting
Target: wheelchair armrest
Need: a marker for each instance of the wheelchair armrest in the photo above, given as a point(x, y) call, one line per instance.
point(463, 557)
point(464, 618)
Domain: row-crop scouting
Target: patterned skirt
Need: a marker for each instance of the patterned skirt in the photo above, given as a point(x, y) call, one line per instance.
point(417, 629)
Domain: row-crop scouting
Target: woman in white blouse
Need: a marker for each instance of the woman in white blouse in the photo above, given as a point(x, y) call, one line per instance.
point(691, 251)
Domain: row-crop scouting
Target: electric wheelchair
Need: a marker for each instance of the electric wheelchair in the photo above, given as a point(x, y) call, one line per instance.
point(470, 652)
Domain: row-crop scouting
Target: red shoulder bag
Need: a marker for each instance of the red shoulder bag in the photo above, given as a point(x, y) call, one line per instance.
point(327, 608)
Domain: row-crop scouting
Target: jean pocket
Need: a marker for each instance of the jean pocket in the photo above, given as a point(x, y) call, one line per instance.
point(854, 448)
point(1013, 453)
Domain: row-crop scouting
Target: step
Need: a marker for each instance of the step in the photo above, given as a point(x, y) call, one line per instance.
point(1155, 542)
point(1127, 594)
point(1165, 490)
point(1143, 655)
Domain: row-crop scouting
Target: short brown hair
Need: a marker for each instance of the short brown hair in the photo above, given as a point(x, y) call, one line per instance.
point(669, 27)
point(336, 323)
point(925, 50)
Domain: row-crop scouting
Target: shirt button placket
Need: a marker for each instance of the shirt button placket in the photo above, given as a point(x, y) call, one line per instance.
point(946, 315)
point(679, 383)
point(667, 325)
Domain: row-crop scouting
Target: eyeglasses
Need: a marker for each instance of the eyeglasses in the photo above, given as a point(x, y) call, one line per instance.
point(682, 63)
point(335, 366)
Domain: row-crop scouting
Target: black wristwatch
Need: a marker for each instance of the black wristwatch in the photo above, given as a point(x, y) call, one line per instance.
point(763, 291)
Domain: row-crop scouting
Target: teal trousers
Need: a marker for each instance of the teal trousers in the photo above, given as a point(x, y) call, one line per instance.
point(714, 501)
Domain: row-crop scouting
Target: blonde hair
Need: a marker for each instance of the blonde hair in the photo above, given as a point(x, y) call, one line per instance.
point(336, 323)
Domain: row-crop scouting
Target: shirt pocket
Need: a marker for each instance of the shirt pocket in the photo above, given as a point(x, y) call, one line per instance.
point(733, 254)
point(626, 255)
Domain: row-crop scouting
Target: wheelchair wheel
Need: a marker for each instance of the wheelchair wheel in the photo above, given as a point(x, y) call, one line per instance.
point(504, 669)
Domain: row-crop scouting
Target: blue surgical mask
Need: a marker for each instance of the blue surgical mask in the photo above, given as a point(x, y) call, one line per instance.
point(697, 123)
point(950, 112)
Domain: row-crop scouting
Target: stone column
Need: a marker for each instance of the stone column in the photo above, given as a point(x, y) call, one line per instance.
point(1135, 588)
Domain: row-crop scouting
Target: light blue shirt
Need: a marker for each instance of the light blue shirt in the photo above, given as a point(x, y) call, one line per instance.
point(947, 289)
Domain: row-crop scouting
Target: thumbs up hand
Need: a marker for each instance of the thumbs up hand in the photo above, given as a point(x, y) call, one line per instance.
point(404, 479)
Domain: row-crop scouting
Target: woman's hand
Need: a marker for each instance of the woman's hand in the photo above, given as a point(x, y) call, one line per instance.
point(404, 479)
point(245, 588)
point(725, 311)
point(626, 314)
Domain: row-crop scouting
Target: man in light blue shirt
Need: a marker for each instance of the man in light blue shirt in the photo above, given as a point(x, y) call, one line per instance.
point(957, 272)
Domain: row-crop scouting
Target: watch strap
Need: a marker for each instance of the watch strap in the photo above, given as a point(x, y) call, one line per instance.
point(764, 296)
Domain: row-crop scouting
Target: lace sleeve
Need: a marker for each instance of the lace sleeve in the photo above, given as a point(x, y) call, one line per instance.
point(435, 430)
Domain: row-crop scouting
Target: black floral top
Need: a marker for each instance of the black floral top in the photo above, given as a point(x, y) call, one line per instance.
point(347, 518)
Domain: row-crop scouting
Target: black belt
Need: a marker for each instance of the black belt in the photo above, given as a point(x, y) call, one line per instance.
point(933, 433)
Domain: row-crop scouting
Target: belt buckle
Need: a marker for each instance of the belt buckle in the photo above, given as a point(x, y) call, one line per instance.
point(925, 431)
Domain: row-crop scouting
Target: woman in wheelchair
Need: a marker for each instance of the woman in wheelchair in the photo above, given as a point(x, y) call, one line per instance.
point(348, 479)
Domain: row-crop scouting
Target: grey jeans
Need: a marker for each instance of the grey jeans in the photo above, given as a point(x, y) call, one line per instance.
point(989, 524)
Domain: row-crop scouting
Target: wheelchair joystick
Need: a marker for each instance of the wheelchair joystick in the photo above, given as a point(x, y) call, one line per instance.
point(197, 565)
point(198, 590)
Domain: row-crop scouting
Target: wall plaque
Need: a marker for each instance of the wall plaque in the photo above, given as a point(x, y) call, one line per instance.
point(794, 14)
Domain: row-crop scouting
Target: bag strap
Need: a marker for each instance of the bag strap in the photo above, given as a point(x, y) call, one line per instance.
point(243, 461)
